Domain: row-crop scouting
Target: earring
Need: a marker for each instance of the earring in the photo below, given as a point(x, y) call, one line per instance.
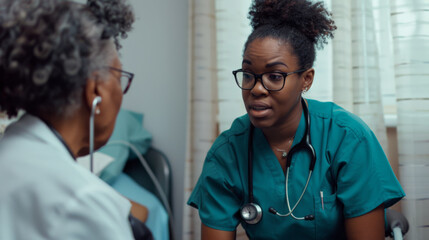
point(97, 111)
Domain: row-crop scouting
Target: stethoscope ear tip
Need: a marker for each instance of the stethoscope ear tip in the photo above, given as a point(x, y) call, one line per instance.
point(309, 217)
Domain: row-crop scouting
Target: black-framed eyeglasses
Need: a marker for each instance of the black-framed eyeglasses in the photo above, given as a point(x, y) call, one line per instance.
point(272, 81)
point(126, 79)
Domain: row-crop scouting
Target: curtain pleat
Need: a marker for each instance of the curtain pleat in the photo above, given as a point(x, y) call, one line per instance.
point(342, 55)
point(410, 25)
point(230, 40)
point(202, 101)
point(365, 69)
point(355, 72)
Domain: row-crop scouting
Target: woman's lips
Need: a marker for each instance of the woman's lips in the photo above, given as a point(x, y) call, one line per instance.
point(259, 110)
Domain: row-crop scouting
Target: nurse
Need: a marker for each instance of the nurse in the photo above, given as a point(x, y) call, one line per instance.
point(59, 63)
point(267, 181)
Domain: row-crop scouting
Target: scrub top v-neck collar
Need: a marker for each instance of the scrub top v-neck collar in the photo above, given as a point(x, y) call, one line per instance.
point(264, 153)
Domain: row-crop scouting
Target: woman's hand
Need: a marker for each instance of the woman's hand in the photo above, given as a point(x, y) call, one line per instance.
point(208, 233)
point(139, 211)
point(369, 226)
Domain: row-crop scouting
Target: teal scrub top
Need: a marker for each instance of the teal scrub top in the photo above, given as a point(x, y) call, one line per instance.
point(351, 170)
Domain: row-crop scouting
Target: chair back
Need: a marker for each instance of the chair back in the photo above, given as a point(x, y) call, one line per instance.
point(160, 166)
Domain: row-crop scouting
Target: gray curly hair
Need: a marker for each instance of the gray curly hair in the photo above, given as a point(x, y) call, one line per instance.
point(48, 49)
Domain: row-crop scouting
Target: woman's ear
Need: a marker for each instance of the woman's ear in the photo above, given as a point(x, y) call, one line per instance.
point(91, 90)
point(308, 77)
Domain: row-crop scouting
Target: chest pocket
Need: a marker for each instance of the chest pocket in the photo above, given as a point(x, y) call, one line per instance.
point(328, 217)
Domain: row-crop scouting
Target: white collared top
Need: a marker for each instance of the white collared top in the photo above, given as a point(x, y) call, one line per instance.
point(45, 194)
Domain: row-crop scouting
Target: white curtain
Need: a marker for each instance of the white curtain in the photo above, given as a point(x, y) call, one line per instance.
point(232, 28)
point(377, 66)
point(347, 69)
point(202, 101)
point(410, 26)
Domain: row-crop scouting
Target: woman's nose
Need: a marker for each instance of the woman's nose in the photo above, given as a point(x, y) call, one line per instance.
point(259, 88)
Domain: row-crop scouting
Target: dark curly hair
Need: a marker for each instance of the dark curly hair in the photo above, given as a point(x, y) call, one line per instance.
point(48, 49)
point(303, 24)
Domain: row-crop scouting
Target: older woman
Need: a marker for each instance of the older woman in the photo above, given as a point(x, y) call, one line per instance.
point(59, 63)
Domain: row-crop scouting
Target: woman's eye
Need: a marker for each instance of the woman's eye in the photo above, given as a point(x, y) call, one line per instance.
point(247, 76)
point(275, 77)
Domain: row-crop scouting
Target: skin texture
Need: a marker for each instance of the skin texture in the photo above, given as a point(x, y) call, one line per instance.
point(368, 226)
point(111, 93)
point(139, 211)
point(278, 114)
point(75, 129)
point(208, 233)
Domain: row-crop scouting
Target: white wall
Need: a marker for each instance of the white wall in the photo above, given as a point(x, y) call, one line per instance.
point(156, 51)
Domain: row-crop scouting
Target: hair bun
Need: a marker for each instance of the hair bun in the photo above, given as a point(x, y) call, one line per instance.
point(116, 16)
point(310, 18)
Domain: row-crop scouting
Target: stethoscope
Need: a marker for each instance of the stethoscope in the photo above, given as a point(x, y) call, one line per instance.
point(251, 212)
point(139, 229)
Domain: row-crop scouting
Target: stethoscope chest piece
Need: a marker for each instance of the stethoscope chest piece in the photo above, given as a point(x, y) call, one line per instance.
point(251, 213)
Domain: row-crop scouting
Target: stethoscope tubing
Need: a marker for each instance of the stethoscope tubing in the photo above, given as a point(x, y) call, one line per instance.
point(250, 163)
point(304, 144)
point(300, 197)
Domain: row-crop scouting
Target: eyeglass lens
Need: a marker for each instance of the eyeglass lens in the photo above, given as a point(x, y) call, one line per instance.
point(271, 81)
point(125, 83)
